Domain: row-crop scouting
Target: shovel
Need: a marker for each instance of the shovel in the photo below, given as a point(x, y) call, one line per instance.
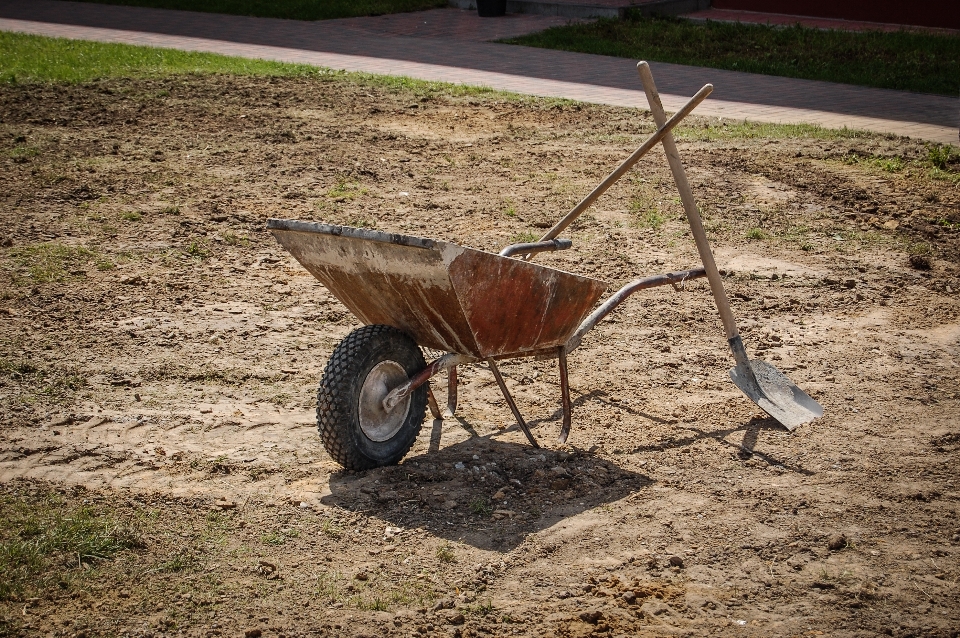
point(763, 384)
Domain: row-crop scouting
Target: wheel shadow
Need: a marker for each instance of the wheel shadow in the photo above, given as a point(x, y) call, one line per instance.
point(484, 492)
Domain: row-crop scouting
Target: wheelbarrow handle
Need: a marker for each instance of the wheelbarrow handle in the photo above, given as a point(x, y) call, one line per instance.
point(536, 247)
point(693, 215)
point(664, 129)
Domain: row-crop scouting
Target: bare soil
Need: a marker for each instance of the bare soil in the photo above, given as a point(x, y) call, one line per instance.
point(160, 355)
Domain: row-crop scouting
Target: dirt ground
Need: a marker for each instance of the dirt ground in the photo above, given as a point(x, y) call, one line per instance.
point(159, 357)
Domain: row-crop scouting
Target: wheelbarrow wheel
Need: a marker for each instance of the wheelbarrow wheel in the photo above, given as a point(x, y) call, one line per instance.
point(356, 430)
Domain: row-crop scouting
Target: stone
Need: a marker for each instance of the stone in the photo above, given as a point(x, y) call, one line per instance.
point(591, 617)
point(629, 597)
point(836, 542)
point(676, 561)
point(920, 262)
point(446, 603)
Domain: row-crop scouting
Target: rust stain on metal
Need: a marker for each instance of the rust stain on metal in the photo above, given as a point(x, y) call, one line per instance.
point(445, 296)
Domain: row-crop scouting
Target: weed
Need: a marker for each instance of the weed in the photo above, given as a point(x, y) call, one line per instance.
point(525, 237)
point(171, 210)
point(445, 554)
point(345, 191)
point(757, 233)
point(328, 585)
point(377, 604)
point(274, 538)
point(481, 609)
point(480, 507)
point(183, 560)
point(232, 239)
point(361, 222)
point(329, 528)
point(650, 219)
point(131, 216)
point(941, 155)
point(197, 249)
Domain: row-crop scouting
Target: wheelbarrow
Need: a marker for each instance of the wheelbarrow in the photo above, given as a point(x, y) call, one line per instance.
point(413, 292)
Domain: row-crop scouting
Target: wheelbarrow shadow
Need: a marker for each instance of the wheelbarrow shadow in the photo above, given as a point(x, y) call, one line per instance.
point(484, 492)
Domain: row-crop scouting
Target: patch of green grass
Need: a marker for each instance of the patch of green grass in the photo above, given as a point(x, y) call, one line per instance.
point(757, 233)
point(372, 604)
point(171, 210)
point(48, 262)
point(942, 162)
point(23, 154)
point(197, 249)
point(34, 380)
point(904, 60)
point(942, 156)
point(345, 191)
point(445, 554)
point(232, 239)
point(291, 9)
point(524, 237)
point(274, 538)
point(40, 536)
point(131, 216)
point(328, 586)
point(180, 561)
point(651, 218)
point(732, 129)
point(481, 507)
point(29, 58)
point(329, 528)
point(481, 609)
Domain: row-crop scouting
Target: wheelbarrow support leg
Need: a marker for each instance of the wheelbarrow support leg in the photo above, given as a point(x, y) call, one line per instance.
point(513, 406)
point(565, 396)
point(432, 402)
point(451, 392)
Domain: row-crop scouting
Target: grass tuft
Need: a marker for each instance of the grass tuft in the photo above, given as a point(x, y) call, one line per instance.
point(40, 537)
point(445, 554)
point(45, 263)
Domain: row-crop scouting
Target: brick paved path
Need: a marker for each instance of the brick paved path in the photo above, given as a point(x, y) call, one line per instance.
point(391, 45)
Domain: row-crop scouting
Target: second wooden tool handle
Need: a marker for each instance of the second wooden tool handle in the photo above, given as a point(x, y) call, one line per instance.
point(689, 205)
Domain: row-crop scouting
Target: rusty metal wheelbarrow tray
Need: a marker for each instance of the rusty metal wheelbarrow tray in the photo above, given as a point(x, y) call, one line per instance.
point(447, 297)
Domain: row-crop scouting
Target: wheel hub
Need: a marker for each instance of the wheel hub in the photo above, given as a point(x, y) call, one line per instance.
point(378, 424)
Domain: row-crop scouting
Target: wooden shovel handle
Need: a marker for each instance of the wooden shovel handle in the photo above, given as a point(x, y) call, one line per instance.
point(689, 204)
point(663, 128)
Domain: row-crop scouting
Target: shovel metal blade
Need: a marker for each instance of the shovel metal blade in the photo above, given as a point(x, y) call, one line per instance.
point(777, 395)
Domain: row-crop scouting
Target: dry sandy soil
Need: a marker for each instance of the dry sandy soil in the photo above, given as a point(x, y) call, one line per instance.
point(160, 355)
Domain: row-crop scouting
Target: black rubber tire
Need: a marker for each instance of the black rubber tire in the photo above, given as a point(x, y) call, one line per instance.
point(338, 396)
